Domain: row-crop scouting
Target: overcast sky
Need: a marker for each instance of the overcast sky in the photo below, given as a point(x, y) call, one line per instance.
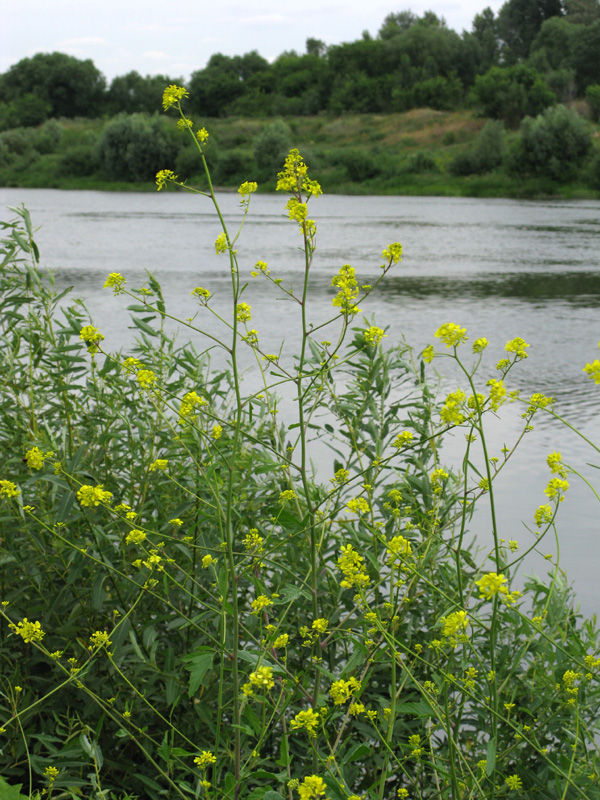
point(176, 38)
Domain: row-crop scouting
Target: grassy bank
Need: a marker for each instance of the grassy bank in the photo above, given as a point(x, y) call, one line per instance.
point(410, 153)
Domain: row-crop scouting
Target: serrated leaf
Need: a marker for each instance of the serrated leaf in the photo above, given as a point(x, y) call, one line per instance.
point(198, 664)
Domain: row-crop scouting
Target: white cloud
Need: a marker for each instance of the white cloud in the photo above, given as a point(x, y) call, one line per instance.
point(156, 55)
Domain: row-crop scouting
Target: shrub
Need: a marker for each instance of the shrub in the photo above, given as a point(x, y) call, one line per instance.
point(79, 161)
point(130, 146)
point(511, 93)
point(486, 154)
point(555, 144)
point(48, 137)
point(271, 146)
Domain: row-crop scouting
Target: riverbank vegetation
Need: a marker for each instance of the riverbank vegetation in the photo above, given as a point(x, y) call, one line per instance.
point(400, 112)
point(273, 593)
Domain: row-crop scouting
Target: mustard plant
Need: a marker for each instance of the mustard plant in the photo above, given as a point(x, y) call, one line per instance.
point(190, 608)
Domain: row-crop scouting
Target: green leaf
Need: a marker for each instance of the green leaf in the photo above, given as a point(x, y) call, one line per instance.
point(10, 792)
point(143, 326)
point(198, 663)
point(356, 752)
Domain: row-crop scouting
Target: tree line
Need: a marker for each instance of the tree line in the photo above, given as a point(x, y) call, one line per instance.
point(530, 55)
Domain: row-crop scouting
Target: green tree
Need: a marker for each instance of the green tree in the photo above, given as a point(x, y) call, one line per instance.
point(510, 93)
point(485, 31)
point(271, 146)
point(519, 22)
point(131, 93)
point(554, 144)
point(133, 148)
point(25, 111)
point(71, 87)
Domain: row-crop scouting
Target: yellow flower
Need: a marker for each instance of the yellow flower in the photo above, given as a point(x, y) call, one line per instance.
point(221, 243)
point(29, 631)
point(593, 371)
point(207, 561)
point(286, 496)
point(9, 489)
point(428, 354)
point(202, 135)
point(202, 294)
point(172, 95)
point(115, 281)
point(392, 253)
point(51, 773)
point(263, 678)
point(205, 759)
point(402, 440)
point(216, 431)
point(342, 690)
point(455, 623)
point(451, 334)
point(162, 176)
point(306, 719)
point(358, 506)
point(517, 346)
point(146, 378)
point(514, 783)
point(99, 639)
point(34, 458)
point(160, 463)
point(312, 788)
point(92, 337)
point(135, 537)
point(479, 345)
point(260, 603)
point(281, 641)
point(243, 312)
point(491, 584)
point(373, 335)
point(347, 284)
point(556, 488)
point(320, 625)
point(93, 495)
point(351, 565)
point(247, 188)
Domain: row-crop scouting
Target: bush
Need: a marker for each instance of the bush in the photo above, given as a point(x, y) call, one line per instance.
point(360, 165)
point(486, 154)
point(131, 146)
point(271, 146)
point(553, 144)
point(511, 93)
point(48, 137)
point(592, 176)
point(79, 162)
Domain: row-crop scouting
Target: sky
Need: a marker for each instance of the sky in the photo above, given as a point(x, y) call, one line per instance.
point(175, 39)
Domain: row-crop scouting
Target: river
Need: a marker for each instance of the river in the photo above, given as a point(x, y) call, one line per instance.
point(501, 268)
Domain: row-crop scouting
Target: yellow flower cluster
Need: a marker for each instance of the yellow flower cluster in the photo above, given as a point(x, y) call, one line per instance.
point(451, 334)
point(160, 463)
point(312, 788)
point(347, 284)
point(29, 631)
point(373, 335)
point(205, 759)
point(399, 550)
point(454, 623)
point(172, 95)
point(556, 488)
point(309, 720)
point(402, 440)
point(201, 294)
point(9, 489)
point(479, 345)
point(243, 312)
point(92, 337)
point(99, 639)
point(351, 565)
point(497, 393)
point(146, 378)
point(187, 409)
point(135, 537)
point(392, 253)
point(35, 458)
point(451, 412)
point(294, 177)
point(93, 495)
point(221, 243)
point(115, 281)
point(517, 346)
point(260, 603)
point(358, 506)
point(342, 690)
point(163, 176)
point(493, 584)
